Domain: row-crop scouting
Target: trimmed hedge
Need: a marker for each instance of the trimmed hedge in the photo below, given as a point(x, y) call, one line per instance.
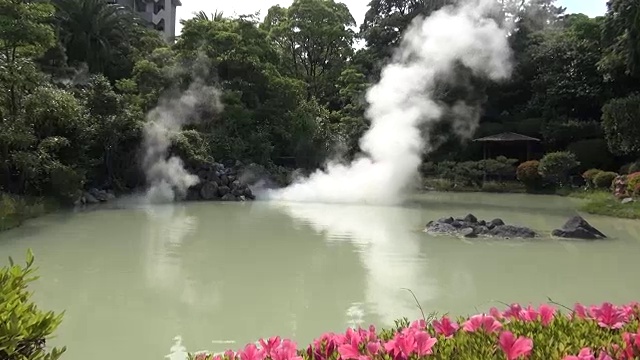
point(544, 333)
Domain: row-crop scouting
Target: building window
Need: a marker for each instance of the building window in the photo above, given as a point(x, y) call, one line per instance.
point(157, 6)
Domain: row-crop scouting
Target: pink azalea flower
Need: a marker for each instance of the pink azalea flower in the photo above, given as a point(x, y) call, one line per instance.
point(424, 343)
point(445, 327)
point(251, 352)
point(581, 311)
point(495, 313)
point(514, 311)
point(269, 345)
point(609, 316)
point(487, 323)
point(406, 343)
point(419, 324)
point(351, 351)
point(632, 342)
point(585, 354)
point(229, 355)
point(547, 314)
point(374, 347)
point(287, 350)
point(514, 348)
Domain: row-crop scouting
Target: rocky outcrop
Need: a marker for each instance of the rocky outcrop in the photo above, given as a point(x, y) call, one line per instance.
point(578, 228)
point(471, 227)
point(220, 183)
point(94, 196)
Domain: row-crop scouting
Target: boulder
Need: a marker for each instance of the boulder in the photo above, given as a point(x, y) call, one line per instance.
point(223, 190)
point(448, 220)
point(90, 199)
point(510, 231)
point(496, 222)
point(471, 219)
point(469, 232)
point(225, 180)
point(578, 228)
point(229, 197)
point(209, 190)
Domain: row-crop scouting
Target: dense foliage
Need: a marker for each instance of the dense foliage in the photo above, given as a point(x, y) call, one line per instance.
point(78, 78)
point(604, 332)
point(24, 328)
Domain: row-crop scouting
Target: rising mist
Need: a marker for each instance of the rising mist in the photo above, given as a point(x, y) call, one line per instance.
point(404, 100)
point(167, 178)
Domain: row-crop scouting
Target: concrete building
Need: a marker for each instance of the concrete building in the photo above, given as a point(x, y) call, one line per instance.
point(160, 14)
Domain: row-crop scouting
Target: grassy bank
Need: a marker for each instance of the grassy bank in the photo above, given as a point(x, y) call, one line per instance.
point(595, 202)
point(604, 203)
point(14, 210)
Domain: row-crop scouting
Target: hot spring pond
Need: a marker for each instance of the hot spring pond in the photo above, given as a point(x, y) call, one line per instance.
point(219, 275)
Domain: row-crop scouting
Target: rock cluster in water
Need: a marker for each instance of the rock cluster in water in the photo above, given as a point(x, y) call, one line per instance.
point(218, 182)
point(471, 227)
point(578, 228)
point(95, 196)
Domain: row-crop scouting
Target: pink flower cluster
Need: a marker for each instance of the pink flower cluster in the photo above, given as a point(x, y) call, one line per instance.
point(420, 338)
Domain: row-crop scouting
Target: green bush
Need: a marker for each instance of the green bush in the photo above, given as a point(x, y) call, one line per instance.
point(24, 328)
point(557, 166)
point(589, 175)
point(529, 174)
point(604, 179)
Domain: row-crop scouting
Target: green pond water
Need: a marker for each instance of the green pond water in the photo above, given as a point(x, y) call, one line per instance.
point(131, 278)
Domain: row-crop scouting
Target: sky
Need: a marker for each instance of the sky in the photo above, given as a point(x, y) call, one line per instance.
point(357, 7)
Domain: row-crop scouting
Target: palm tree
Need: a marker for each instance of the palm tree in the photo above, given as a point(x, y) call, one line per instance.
point(91, 30)
point(216, 16)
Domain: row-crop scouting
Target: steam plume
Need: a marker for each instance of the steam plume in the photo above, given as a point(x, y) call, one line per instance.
point(167, 179)
point(404, 99)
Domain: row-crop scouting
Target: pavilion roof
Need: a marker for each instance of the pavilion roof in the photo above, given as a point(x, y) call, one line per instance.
point(506, 137)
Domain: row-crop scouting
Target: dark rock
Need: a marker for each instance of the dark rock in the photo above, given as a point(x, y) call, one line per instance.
point(209, 190)
point(223, 190)
point(237, 191)
point(471, 219)
point(90, 199)
point(249, 194)
point(448, 220)
point(235, 184)
point(510, 231)
point(578, 228)
point(496, 222)
point(193, 194)
point(232, 179)
point(482, 223)
point(482, 230)
point(229, 197)
point(469, 232)
point(459, 224)
point(225, 180)
point(441, 228)
point(99, 195)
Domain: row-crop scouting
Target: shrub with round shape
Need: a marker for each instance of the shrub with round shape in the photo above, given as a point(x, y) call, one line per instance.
point(589, 175)
point(557, 166)
point(604, 179)
point(528, 174)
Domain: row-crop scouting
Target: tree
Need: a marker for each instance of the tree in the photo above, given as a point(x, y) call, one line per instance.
point(622, 39)
point(25, 32)
point(315, 40)
point(97, 33)
point(621, 125)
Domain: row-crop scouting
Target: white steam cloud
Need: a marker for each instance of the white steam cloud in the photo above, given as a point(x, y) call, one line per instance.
point(167, 178)
point(404, 99)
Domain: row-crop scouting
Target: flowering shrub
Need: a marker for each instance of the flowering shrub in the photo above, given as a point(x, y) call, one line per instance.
point(620, 187)
point(604, 179)
point(605, 332)
point(589, 175)
point(633, 183)
point(528, 174)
